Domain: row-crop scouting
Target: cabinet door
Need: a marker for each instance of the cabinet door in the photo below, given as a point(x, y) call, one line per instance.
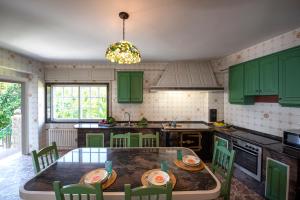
point(289, 81)
point(251, 74)
point(123, 87)
point(268, 75)
point(236, 84)
point(221, 141)
point(136, 87)
point(277, 180)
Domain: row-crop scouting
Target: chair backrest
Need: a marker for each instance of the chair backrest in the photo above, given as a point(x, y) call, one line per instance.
point(222, 164)
point(94, 140)
point(150, 191)
point(120, 140)
point(77, 190)
point(149, 140)
point(45, 157)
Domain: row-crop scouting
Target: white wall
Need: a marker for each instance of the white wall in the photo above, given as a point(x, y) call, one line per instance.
point(14, 67)
point(270, 118)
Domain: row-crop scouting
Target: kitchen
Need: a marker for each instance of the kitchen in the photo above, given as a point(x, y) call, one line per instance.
point(239, 92)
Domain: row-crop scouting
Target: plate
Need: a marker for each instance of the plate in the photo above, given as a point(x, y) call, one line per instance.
point(96, 176)
point(191, 160)
point(158, 178)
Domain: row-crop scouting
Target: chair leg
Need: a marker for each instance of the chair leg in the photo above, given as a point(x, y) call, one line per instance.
point(227, 197)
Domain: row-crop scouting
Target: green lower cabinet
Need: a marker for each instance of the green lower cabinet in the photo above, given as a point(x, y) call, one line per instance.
point(276, 180)
point(221, 141)
point(268, 75)
point(236, 86)
point(134, 139)
point(289, 77)
point(94, 140)
point(251, 82)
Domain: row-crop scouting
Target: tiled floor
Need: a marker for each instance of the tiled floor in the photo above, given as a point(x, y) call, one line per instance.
point(15, 170)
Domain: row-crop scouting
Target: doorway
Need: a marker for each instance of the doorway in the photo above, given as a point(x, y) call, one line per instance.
point(10, 118)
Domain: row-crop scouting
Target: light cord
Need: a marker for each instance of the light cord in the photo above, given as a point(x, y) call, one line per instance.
point(123, 29)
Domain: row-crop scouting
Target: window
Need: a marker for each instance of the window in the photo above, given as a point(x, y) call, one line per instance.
point(76, 102)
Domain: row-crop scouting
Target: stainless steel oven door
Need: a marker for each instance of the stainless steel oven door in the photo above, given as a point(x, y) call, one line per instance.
point(248, 161)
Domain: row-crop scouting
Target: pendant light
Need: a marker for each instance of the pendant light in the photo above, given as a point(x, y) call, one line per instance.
point(123, 52)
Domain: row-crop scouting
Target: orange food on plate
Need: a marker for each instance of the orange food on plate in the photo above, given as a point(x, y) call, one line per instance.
point(95, 178)
point(192, 161)
point(159, 179)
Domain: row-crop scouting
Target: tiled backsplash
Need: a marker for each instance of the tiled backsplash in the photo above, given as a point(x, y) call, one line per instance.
point(270, 118)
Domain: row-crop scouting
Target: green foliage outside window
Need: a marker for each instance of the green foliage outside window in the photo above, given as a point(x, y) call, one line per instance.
point(79, 102)
point(10, 100)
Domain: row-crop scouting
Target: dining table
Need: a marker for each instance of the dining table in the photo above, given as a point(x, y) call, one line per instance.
point(129, 164)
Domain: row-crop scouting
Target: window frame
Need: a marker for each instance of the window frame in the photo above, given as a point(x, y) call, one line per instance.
point(51, 120)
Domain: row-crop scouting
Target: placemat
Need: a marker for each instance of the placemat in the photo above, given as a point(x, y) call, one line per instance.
point(181, 165)
point(111, 179)
point(144, 178)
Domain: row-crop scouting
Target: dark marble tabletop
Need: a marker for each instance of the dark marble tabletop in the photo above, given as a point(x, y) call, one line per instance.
point(129, 163)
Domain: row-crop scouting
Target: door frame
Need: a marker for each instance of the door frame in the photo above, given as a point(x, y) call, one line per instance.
point(24, 109)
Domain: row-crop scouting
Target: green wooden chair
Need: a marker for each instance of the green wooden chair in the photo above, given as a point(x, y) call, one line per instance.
point(94, 140)
point(77, 190)
point(45, 157)
point(149, 191)
point(149, 140)
point(222, 164)
point(120, 140)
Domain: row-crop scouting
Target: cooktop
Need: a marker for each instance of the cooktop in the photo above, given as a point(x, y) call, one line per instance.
point(250, 137)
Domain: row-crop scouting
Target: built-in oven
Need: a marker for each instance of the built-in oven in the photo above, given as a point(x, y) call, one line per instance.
point(248, 158)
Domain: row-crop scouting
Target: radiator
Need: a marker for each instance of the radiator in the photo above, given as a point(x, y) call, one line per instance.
point(64, 138)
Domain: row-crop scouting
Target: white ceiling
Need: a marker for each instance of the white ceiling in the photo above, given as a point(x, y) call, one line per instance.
point(163, 30)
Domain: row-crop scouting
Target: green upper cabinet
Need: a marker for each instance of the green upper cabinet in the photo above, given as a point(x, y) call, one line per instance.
point(276, 180)
point(130, 87)
point(261, 76)
point(268, 73)
point(136, 87)
point(289, 77)
point(251, 73)
point(123, 87)
point(236, 86)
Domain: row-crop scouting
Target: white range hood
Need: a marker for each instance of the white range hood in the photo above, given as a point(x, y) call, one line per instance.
point(188, 76)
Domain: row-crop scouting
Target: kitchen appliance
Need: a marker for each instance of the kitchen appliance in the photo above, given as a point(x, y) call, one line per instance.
point(291, 138)
point(248, 158)
point(212, 115)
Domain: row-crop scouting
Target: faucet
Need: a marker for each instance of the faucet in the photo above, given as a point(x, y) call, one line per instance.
point(127, 113)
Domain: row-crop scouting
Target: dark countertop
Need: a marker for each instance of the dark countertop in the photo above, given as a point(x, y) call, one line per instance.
point(248, 135)
point(261, 139)
point(117, 126)
point(186, 127)
point(130, 164)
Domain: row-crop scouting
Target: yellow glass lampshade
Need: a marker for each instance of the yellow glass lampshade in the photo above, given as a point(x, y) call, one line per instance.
point(123, 52)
